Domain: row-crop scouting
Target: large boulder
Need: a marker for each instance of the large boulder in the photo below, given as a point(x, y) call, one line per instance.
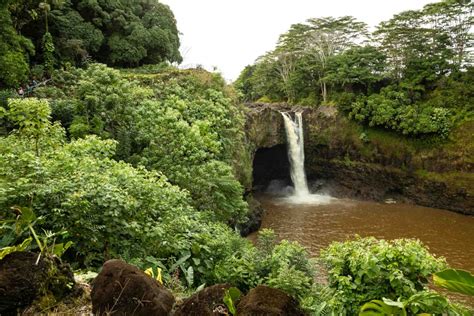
point(255, 215)
point(23, 281)
point(123, 289)
point(208, 301)
point(267, 301)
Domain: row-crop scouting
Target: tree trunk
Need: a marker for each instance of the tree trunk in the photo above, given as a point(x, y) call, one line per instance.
point(325, 92)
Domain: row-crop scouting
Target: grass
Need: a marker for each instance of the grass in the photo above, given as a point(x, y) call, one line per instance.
point(454, 179)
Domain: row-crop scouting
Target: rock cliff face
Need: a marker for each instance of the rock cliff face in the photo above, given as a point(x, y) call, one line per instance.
point(364, 163)
point(264, 125)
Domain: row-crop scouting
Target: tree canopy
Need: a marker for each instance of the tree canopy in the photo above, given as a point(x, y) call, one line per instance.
point(384, 78)
point(121, 33)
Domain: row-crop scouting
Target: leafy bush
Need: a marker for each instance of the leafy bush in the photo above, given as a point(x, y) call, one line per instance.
point(191, 131)
point(200, 128)
point(5, 94)
point(366, 268)
point(284, 266)
point(14, 69)
point(108, 207)
point(392, 109)
point(424, 302)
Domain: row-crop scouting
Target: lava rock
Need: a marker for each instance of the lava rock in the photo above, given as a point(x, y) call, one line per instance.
point(22, 281)
point(254, 221)
point(267, 301)
point(123, 289)
point(208, 301)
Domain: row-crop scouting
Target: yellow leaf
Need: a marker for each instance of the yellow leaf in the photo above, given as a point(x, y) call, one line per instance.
point(149, 272)
point(158, 277)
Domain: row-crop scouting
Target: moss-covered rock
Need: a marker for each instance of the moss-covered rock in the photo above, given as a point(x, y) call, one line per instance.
point(264, 300)
point(123, 289)
point(208, 301)
point(25, 280)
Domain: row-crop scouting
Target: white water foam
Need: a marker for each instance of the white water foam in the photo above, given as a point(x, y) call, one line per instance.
point(313, 199)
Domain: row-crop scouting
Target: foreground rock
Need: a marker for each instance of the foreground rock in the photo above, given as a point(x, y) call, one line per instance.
point(123, 289)
point(266, 301)
point(208, 301)
point(23, 282)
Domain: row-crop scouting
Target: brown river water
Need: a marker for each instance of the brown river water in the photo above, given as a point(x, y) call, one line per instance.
point(315, 225)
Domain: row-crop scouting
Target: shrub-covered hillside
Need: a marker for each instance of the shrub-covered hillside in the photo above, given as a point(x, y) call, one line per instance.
point(149, 164)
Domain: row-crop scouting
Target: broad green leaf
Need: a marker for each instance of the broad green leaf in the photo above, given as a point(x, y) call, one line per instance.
point(393, 303)
point(179, 262)
point(189, 274)
point(230, 297)
point(377, 307)
point(21, 247)
point(59, 249)
point(455, 280)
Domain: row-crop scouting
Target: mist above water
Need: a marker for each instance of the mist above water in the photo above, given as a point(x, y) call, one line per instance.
point(284, 193)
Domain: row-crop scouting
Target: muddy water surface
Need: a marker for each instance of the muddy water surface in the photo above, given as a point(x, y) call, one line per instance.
point(315, 226)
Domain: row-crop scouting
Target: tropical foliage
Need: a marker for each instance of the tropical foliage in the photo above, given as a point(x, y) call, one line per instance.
point(455, 280)
point(150, 164)
point(366, 268)
point(393, 78)
point(120, 33)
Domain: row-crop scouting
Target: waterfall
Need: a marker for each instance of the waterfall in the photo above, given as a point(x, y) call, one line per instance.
point(294, 135)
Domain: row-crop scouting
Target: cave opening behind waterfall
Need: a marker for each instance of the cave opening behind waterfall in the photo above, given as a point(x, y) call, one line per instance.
point(271, 166)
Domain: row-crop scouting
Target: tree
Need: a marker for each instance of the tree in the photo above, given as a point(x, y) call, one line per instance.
point(14, 50)
point(322, 38)
point(423, 46)
point(358, 66)
point(135, 32)
point(76, 39)
point(454, 18)
point(329, 36)
point(122, 33)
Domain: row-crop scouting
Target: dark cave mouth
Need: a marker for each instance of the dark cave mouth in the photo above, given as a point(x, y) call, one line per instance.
point(271, 165)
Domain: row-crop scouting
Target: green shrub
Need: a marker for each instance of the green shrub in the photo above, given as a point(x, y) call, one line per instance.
point(14, 68)
point(285, 266)
point(109, 208)
point(421, 303)
point(366, 268)
point(392, 109)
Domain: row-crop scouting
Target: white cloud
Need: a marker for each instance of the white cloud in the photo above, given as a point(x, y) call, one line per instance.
point(230, 34)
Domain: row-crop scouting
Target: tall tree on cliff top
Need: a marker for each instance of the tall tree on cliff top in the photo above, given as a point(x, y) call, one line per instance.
point(289, 49)
point(455, 19)
point(417, 54)
point(423, 46)
point(358, 67)
point(323, 38)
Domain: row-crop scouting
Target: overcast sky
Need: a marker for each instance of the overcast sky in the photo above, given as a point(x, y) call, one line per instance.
point(230, 34)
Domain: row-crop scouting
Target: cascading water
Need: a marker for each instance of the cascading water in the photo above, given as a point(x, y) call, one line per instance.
point(294, 135)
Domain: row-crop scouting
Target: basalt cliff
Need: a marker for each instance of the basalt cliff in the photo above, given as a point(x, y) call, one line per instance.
point(346, 159)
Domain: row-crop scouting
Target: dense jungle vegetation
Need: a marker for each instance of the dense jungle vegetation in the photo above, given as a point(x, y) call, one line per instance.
point(413, 74)
point(149, 164)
